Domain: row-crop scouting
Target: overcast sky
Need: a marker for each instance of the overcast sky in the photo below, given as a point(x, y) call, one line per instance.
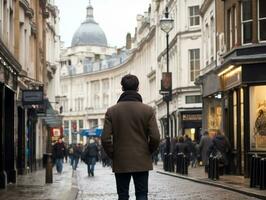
point(116, 17)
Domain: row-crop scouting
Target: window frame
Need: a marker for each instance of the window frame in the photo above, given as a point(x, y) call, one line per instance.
point(194, 61)
point(194, 16)
point(259, 19)
point(212, 37)
point(193, 97)
point(230, 28)
point(242, 27)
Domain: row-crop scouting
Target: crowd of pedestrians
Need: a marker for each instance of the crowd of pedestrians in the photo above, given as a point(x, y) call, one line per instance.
point(197, 153)
point(89, 153)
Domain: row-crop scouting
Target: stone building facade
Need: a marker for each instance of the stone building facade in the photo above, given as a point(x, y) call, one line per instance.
point(233, 90)
point(23, 67)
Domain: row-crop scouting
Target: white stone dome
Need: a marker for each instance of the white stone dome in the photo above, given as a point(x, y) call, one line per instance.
point(89, 32)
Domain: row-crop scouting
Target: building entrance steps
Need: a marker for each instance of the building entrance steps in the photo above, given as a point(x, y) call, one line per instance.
point(230, 182)
point(32, 186)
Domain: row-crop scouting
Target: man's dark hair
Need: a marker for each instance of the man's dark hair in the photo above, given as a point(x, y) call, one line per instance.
point(130, 82)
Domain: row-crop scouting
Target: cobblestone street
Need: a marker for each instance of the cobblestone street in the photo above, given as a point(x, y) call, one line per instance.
point(162, 187)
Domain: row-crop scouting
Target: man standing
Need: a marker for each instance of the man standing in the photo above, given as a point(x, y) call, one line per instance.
point(204, 145)
point(130, 136)
point(59, 151)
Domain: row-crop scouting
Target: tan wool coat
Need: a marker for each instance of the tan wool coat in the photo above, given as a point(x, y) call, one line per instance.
point(130, 136)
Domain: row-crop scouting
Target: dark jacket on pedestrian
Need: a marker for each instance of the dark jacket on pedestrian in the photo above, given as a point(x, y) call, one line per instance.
point(220, 143)
point(91, 150)
point(204, 145)
point(59, 150)
point(181, 147)
point(77, 151)
point(130, 134)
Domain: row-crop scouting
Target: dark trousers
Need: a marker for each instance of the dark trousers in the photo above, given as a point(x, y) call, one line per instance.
point(140, 181)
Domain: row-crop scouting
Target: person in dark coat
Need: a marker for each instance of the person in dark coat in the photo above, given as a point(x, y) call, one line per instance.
point(181, 147)
point(204, 145)
point(220, 145)
point(77, 151)
point(162, 149)
point(91, 156)
point(190, 147)
point(130, 136)
point(105, 159)
point(59, 150)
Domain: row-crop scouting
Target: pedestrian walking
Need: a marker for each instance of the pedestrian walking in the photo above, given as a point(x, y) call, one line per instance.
point(105, 159)
point(203, 147)
point(91, 154)
point(155, 156)
point(191, 149)
point(162, 149)
point(130, 136)
point(220, 148)
point(59, 150)
point(66, 154)
point(181, 147)
point(77, 151)
point(70, 153)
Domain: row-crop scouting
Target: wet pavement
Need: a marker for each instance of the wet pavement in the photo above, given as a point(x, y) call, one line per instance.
point(161, 187)
point(32, 186)
point(72, 185)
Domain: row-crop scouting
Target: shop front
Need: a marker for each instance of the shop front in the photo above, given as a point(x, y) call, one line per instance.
point(9, 69)
point(244, 88)
point(191, 124)
point(212, 113)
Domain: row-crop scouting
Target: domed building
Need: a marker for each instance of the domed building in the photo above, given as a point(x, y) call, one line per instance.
point(90, 70)
point(89, 32)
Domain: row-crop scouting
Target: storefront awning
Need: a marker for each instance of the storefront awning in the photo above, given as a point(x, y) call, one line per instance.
point(51, 117)
point(97, 132)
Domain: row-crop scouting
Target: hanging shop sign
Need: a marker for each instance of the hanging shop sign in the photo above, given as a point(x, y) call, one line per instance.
point(166, 82)
point(32, 97)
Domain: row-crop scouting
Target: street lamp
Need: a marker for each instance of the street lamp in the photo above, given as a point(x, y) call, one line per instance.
point(167, 24)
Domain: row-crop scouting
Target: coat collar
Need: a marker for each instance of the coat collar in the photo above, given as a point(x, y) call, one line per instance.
point(130, 95)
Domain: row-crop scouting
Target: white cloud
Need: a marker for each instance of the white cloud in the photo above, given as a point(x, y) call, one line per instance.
point(116, 17)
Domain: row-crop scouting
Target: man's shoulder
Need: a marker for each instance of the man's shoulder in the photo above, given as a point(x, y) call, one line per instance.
point(132, 103)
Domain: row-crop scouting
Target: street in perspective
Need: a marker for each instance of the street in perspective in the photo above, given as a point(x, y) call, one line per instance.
point(143, 99)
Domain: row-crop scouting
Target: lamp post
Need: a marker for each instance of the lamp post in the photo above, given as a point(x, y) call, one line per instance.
point(166, 25)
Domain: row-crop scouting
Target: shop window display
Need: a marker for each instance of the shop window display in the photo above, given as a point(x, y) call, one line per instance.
point(258, 118)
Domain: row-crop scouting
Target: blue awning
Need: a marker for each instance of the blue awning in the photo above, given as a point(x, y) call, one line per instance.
point(96, 132)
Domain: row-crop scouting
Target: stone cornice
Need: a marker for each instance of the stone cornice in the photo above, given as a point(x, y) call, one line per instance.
point(51, 9)
point(33, 27)
point(205, 5)
point(26, 6)
point(51, 27)
point(4, 51)
point(43, 4)
point(145, 39)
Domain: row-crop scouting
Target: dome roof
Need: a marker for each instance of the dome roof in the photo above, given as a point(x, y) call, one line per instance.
point(89, 32)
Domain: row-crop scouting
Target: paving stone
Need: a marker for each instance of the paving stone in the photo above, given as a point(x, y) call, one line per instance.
point(161, 187)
